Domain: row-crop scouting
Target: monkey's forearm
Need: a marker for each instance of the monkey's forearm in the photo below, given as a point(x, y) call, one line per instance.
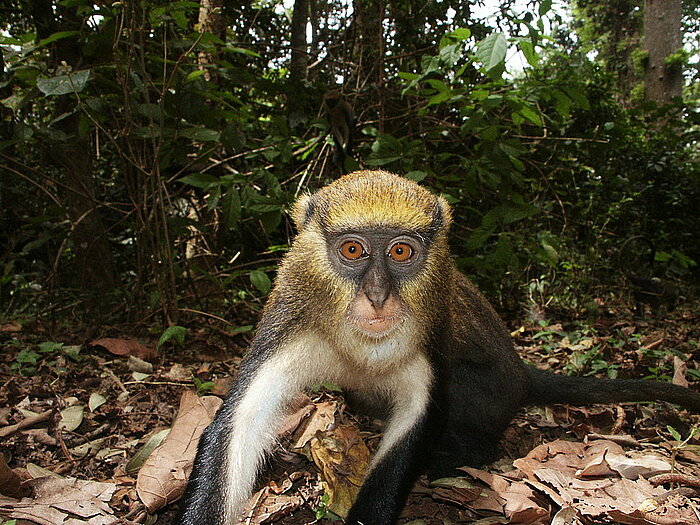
point(234, 445)
point(384, 492)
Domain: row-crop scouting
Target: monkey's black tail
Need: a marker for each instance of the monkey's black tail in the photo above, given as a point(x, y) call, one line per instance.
point(546, 388)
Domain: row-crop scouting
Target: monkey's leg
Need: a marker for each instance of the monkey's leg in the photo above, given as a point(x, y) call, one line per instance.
point(233, 446)
point(398, 460)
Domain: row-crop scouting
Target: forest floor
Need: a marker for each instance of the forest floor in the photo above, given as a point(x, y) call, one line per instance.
point(80, 414)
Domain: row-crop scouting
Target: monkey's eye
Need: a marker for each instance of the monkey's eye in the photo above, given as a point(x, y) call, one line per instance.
point(352, 250)
point(401, 252)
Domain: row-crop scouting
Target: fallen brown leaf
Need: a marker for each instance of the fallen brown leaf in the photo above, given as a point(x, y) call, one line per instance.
point(127, 347)
point(343, 459)
point(163, 476)
point(67, 501)
point(11, 482)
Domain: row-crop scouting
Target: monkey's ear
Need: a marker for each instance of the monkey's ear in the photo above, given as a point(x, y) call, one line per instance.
point(443, 214)
point(302, 210)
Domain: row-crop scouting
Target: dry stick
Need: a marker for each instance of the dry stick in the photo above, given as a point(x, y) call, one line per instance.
point(25, 423)
point(115, 379)
point(619, 421)
point(681, 479)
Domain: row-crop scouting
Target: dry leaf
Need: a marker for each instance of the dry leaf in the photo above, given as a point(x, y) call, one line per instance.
point(60, 500)
point(163, 476)
point(10, 481)
point(71, 418)
point(320, 421)
point(343, 459)
point(126, 347)
point(679, 370)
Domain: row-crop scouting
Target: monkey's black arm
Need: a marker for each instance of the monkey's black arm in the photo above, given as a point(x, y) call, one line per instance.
point(384, 492)
point(400, 456)
point(232, 448)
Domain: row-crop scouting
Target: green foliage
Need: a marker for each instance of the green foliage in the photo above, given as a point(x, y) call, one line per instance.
point(174, 334)
point(203, 387)
point(194, 152)
point(27, 360)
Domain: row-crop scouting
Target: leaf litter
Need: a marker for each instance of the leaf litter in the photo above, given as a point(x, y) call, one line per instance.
point(93, 442)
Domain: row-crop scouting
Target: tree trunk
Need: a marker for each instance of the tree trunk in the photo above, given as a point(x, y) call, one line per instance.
point(94, 264)
point(210, 21)
point(662, 37)
point(299, 60)
point(369, 17)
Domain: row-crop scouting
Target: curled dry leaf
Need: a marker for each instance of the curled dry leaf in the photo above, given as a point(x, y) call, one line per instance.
point(96, 401)
point(10, 481)
point(163, 476)
point(679, 370)
point(343, 458)
point(126, 347)
point(321, 420)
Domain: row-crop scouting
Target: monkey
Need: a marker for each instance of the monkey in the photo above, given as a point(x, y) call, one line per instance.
point(368, 297)
point(341, 118)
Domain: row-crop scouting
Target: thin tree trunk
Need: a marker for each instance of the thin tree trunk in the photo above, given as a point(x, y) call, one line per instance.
point(662, 37)
point(299, 57)
point(93, 257)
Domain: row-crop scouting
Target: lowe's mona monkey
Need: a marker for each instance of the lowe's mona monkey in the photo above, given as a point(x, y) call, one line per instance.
point(369, 298)
point(341, 118)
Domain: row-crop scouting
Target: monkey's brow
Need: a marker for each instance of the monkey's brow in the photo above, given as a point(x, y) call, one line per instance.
point(388, 230)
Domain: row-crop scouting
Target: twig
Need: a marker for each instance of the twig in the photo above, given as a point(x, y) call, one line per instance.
point(25, 423)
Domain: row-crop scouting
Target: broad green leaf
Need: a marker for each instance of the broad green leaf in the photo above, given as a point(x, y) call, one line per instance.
point(531, 115)
point(135, 463)
point(200, 180)
point(96, 400)
point(416, 175)
point(545, 6)
point(201, 134)
point(461, 33)
point(231, 208)
point(173, 333)
point(528, 51)
point(56, 36)
point(261, 281)
point(491, 51)
point(64, 84)
point(71, 418)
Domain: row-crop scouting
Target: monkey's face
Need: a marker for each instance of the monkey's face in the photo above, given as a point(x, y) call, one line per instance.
point(377, 263)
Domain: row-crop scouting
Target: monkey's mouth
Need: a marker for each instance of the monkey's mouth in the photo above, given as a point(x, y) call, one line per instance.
point(375, 326)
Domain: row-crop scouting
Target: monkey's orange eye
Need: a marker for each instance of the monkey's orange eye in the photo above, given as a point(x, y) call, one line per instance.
point(352, 250)
point(401, 252)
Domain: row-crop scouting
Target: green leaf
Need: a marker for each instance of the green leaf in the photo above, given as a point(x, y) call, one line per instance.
point(676, 435)
point(416, 175)
point(528, 51)
point(545, 6)
point(56, 36)
point(200, 180)
point(261, 281)
point(201, 134)
point(135, 463)
point(173, 333)
point(49, 346)
point(531, 115)
point(231, 208)
point(491, 51)
point(64, 84)
point(461, 33)
point(194, 75)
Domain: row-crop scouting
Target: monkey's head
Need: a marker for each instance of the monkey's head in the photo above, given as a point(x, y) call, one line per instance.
point(371, 256)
